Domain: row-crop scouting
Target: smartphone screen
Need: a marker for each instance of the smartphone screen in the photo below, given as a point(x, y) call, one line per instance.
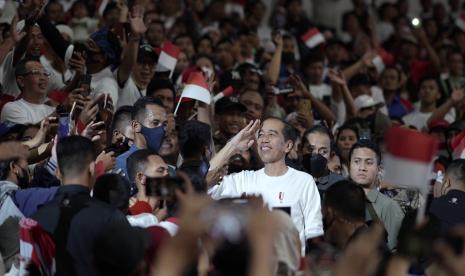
point(85, 84)
point(63, 125)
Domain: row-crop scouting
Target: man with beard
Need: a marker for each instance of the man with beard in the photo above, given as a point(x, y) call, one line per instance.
point(230, 119)
point(279, 185)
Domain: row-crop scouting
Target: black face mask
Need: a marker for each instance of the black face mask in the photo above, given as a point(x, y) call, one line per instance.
point(315, 164)
point(288, 58)
point(23, 179)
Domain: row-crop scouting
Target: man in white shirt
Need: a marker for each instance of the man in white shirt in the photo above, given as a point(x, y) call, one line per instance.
point(429, 94)
point(32, 79)
point(279, 185)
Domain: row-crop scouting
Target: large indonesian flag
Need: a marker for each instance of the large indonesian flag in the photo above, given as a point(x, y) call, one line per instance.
point(409, 158)
point(313, 38)
point(168, 58)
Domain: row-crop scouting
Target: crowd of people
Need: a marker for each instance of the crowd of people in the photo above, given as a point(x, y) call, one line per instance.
point(229, 137)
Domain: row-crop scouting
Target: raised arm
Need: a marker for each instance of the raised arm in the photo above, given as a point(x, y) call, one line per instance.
point(272, 73)
point(339, 82)
point(242, 141)
point(130, 54)
point(457, 97)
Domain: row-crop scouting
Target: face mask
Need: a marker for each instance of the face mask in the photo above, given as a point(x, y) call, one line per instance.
point(287, 58)
point(23, 179)
point(315, 164)
point(153, 137)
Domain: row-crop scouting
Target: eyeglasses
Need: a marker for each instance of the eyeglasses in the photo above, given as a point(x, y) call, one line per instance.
point(38, 72)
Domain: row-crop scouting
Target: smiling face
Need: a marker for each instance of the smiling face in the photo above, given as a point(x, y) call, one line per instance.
point(34, 80)
point(36, 42)
point(170, 144)
point(231, 122)
point(271, 144)
point(364, 167)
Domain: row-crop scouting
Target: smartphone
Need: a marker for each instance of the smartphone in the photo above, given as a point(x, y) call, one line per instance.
point(63, 125)
point(164, 187)
point(84, 83)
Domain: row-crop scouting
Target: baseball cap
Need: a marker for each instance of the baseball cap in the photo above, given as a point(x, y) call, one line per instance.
point(228, 103)
point(146, 52)
point(365, 101)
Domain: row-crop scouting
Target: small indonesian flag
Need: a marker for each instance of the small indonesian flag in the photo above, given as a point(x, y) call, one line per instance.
point(168, 58)
point(197, 88)
point(409, 157)
point(458, 146)
point(460, 22)
point(313, 38)
point(227, 92)
point(382, 59)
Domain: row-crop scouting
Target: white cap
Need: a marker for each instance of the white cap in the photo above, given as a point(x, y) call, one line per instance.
point(364, 101)
point(65, 29)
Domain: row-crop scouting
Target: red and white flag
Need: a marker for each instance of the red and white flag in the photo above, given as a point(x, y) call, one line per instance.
point(460, 22)
point(313, 38)
point(36, 247)
point(227, 92)
point(458, 146)
point(168, 58)
point(408, 161)
point(196, 88)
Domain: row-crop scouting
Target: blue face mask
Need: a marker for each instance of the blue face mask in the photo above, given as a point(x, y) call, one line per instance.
point(153, 137)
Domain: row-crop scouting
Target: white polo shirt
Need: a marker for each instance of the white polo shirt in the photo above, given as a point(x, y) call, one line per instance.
point(294, 189)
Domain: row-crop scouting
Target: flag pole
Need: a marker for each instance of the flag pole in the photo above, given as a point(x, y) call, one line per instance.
point(177, 106)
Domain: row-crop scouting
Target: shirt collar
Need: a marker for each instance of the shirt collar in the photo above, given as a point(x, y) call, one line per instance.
point(372, 195)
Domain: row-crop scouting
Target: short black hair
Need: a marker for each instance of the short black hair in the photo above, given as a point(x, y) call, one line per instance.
point(321, 129)
point(121, 118)
point(347, 127)
point(312, 58)
point(193, 137)
point(347, 199)
point(137, 162)
point(138, 109)
point(366, 143)
point(204, 37)
point(114, 190)
point(289, 132)
point(20, 68)
point(74, 154)
point(5, 168)
point(456, 169)
point(160, 83)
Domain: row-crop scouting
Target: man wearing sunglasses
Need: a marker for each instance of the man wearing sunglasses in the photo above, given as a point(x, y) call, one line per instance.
point(33, 82)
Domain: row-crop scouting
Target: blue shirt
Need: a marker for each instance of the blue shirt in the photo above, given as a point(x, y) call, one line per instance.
point(396, 108)
point(121, 160)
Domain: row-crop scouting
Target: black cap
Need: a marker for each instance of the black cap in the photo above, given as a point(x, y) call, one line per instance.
point(227, 104)
point(146, 51)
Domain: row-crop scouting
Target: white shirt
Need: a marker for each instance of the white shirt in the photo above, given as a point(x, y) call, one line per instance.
point(294, 189)
point(104, 82)
point(420, 119)
point(23, 112)
point(129, 94)
point(8, 76)
point(57, 80)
